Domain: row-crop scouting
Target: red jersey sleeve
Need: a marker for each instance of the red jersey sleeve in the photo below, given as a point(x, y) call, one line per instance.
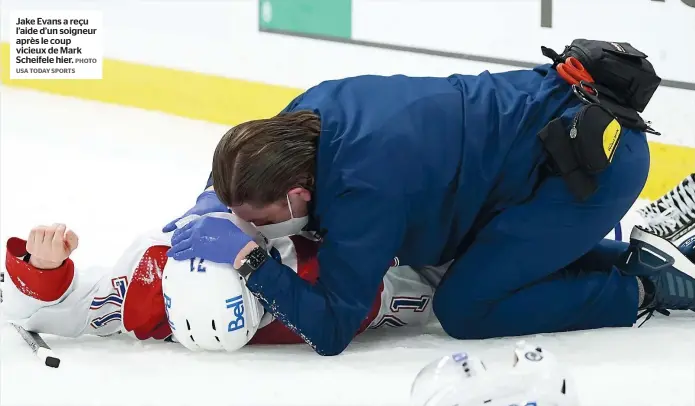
point(44, 285)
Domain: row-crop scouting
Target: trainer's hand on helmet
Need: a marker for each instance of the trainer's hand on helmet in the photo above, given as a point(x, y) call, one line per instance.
point(212, 238)
point(49, 246)
point(206, 203)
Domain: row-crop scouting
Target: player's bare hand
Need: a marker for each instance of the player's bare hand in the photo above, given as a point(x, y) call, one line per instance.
point(49, 246)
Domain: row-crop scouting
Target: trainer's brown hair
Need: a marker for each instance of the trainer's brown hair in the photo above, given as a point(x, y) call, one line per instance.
point(258, 161)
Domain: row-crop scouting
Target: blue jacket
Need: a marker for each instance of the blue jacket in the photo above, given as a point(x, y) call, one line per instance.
point(409, 168)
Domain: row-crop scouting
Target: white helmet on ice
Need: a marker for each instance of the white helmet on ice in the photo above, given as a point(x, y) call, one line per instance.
point(535, 378)
point(207, 304)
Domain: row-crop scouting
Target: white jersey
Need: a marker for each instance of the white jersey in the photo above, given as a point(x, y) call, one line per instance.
point(71, 301)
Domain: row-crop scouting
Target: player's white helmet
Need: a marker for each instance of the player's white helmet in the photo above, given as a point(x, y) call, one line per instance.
point(535, 378)
point(208, 305)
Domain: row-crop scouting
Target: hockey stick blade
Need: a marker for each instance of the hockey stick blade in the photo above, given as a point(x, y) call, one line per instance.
point(34, 341)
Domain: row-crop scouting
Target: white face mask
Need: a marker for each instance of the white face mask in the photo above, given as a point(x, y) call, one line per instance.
point(286, 228)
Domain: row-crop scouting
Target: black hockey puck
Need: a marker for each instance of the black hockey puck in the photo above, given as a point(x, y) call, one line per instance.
point(52, 362)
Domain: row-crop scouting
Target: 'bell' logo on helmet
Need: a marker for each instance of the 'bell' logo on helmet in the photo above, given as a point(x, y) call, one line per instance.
point(236, 303)
point(167, 307)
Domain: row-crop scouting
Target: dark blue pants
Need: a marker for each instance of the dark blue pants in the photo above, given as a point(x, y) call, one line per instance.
point(536, 266)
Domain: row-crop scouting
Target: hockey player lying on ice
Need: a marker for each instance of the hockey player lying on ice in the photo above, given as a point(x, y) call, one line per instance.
point(54, 296)
point(208, 307)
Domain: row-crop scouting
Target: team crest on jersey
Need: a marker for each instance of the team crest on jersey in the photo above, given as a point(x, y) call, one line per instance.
point(120, 285)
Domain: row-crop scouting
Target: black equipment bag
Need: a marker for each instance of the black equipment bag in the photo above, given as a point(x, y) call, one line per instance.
point(624, 82)
point(620, 71)
point(587, 150)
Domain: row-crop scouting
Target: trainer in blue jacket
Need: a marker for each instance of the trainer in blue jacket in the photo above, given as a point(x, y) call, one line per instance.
point(429, 171)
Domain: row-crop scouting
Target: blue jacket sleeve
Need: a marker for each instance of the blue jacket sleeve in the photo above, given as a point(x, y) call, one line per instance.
point(364, 231)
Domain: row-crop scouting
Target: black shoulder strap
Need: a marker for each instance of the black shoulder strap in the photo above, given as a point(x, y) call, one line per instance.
point(554, 56)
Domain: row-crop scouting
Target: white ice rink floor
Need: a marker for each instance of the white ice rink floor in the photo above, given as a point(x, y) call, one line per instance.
point(111, 172)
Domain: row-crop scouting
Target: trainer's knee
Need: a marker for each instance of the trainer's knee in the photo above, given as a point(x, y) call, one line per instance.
point(455, 313)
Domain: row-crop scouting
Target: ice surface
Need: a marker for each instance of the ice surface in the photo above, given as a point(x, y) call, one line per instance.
point(112, 172)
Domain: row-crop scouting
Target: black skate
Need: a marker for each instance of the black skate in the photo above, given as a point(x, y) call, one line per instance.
point(672, 216)
point(667, 275)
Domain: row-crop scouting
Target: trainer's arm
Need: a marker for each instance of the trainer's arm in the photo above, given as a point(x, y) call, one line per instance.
point(364, 231)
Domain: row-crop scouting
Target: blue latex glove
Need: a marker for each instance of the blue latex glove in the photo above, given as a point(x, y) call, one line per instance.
point(206, 203)
point(215, 239)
